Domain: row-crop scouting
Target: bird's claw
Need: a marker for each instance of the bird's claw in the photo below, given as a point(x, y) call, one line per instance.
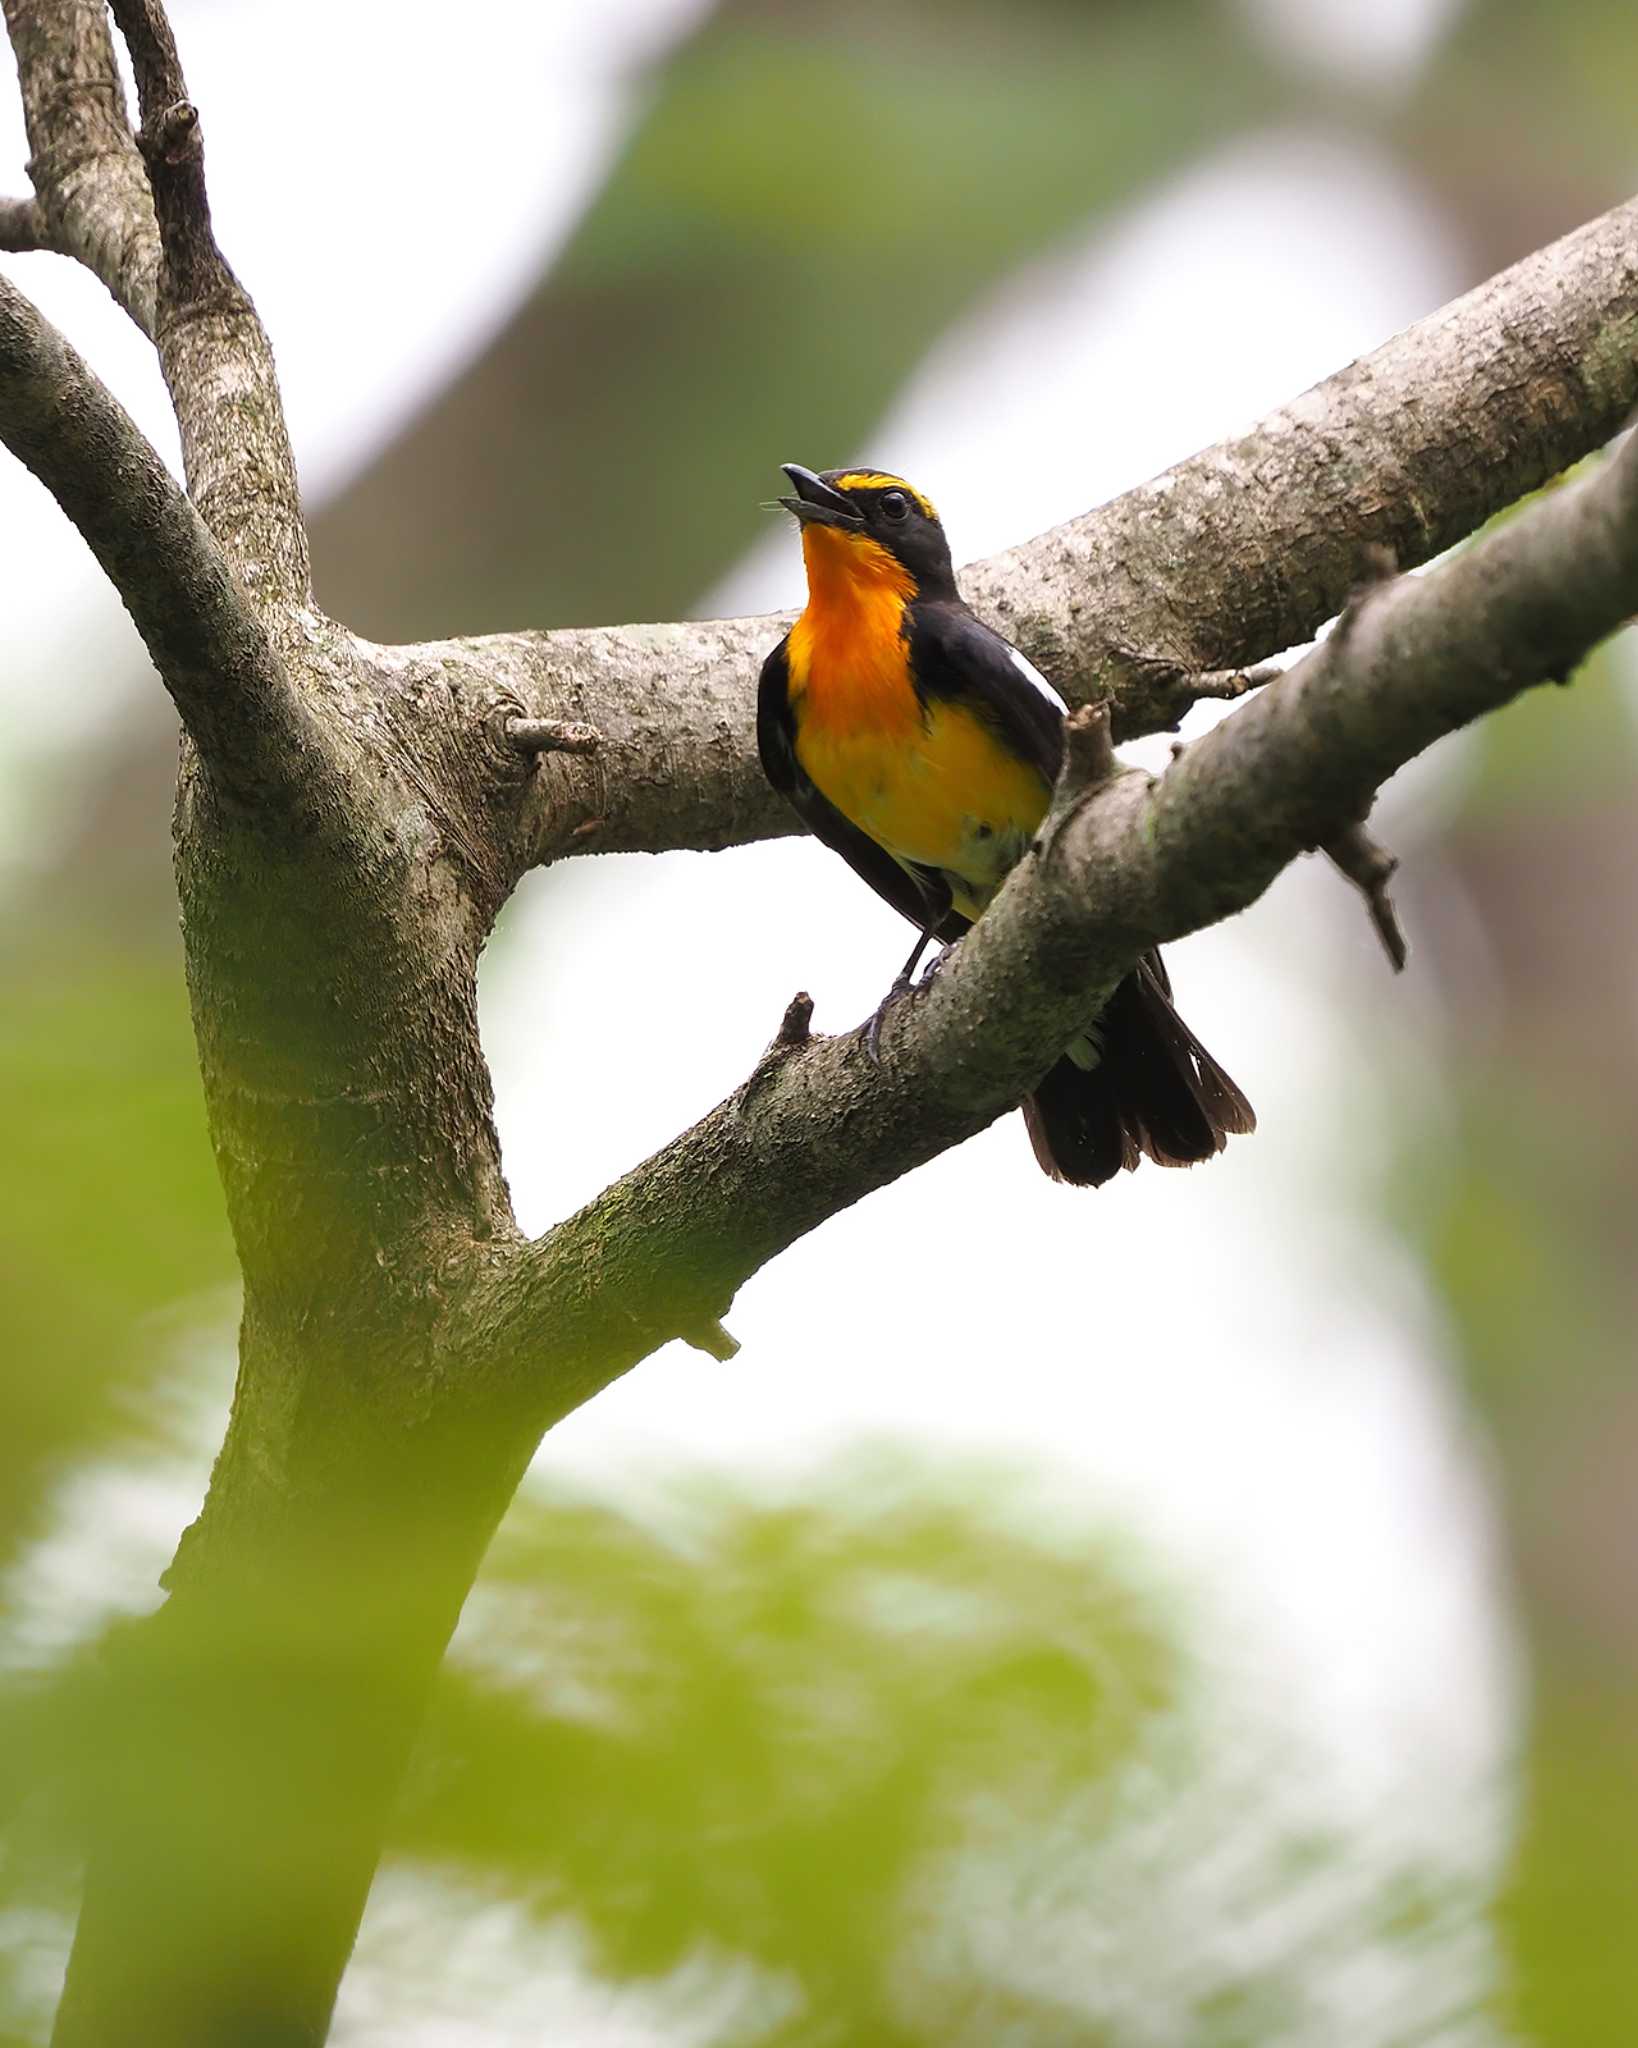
point(873, 1030)
point(904, 984)
point(935, 967)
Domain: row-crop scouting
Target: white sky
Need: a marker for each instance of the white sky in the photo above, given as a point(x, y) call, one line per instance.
point(1233, 1363)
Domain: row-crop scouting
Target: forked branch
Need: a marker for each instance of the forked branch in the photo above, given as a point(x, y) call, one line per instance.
point(215, 353)
point(90, 186)
point(210, 648)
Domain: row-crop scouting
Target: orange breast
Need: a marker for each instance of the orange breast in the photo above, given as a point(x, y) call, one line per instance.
point(934, 786)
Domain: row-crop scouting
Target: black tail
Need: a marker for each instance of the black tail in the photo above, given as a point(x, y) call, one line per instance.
point(1155, 1092)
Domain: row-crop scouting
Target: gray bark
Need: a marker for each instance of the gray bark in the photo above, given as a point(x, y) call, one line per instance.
point(351, 819)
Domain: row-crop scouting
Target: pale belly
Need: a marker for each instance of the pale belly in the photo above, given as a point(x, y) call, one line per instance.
point(944, 795)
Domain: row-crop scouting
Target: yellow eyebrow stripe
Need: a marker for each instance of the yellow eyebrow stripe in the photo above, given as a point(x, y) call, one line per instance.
point(879, 480)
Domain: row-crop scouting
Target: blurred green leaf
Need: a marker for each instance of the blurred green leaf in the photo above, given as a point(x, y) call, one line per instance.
point(110, 1209)
point(756, 1729)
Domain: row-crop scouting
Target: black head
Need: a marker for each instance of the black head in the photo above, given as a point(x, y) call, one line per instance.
point(875, 510)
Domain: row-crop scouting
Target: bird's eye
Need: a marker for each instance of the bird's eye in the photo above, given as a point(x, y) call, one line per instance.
point(895, 505)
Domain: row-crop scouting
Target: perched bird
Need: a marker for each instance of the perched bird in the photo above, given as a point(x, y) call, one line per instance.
point(923, 749)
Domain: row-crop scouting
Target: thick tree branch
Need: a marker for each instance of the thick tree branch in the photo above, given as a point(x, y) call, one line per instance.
point(91, 187)
point(208, 645)
point(1164, 595)
point(1133, 864)
point(1250, 547)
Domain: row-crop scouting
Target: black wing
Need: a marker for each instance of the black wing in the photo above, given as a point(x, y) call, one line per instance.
point(920, 894)
point(956, 655)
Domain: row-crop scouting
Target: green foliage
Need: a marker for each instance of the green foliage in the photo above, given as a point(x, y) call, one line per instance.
point(1521, 1202)
point(110, 1210)
point(758, 1726)
point(1570, 1911)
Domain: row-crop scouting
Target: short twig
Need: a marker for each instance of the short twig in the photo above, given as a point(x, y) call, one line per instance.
point(1089, 753)
point(1226, 684)
point(1089, 761)
point(22, 227)
point(552, 736)
point(1169, 688)
point(711, 1338)
point(793, 1036)
point(794, 1026)
point(1370, 867)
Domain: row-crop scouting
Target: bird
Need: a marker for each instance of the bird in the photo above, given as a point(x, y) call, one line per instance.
point(918, 744)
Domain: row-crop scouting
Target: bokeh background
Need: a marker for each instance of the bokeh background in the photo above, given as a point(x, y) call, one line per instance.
point(1204, 1612)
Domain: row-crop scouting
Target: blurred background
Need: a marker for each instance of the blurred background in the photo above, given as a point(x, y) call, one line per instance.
point(1204, 1612)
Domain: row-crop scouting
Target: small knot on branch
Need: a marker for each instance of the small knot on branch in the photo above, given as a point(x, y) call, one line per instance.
point(793, 1036)
point(711, 1338)
point(176, 133)
point(1370, 867)
point(552, 736)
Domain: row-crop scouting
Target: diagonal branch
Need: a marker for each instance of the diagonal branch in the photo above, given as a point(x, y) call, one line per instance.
point(207, 643)
point(91, 188)
point(214, 351)
point(1164, 595)
point(1248, 548)
point(1133, 863)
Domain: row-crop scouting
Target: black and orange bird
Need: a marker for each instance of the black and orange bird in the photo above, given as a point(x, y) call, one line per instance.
point(922, 748)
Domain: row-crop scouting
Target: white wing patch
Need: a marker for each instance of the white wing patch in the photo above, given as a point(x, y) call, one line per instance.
point(1032, 675)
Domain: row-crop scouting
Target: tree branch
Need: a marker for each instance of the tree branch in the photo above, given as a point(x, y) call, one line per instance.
point(92, 190)
point(209, 647)
point(22, 227)
point(98, 197)
point(1166, 594)
point(1248, 548)
point(1132, 864)
point(213, 349)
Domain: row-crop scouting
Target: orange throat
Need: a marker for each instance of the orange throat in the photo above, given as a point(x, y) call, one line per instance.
point(849, 669)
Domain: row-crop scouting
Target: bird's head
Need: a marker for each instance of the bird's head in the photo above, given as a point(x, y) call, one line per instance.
point(866, 526)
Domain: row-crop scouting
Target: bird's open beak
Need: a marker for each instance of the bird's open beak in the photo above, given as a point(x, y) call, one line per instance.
point(815, 503)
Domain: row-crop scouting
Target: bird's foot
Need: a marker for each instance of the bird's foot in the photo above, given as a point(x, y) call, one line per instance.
point(935, 967)
point(873, 1029)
